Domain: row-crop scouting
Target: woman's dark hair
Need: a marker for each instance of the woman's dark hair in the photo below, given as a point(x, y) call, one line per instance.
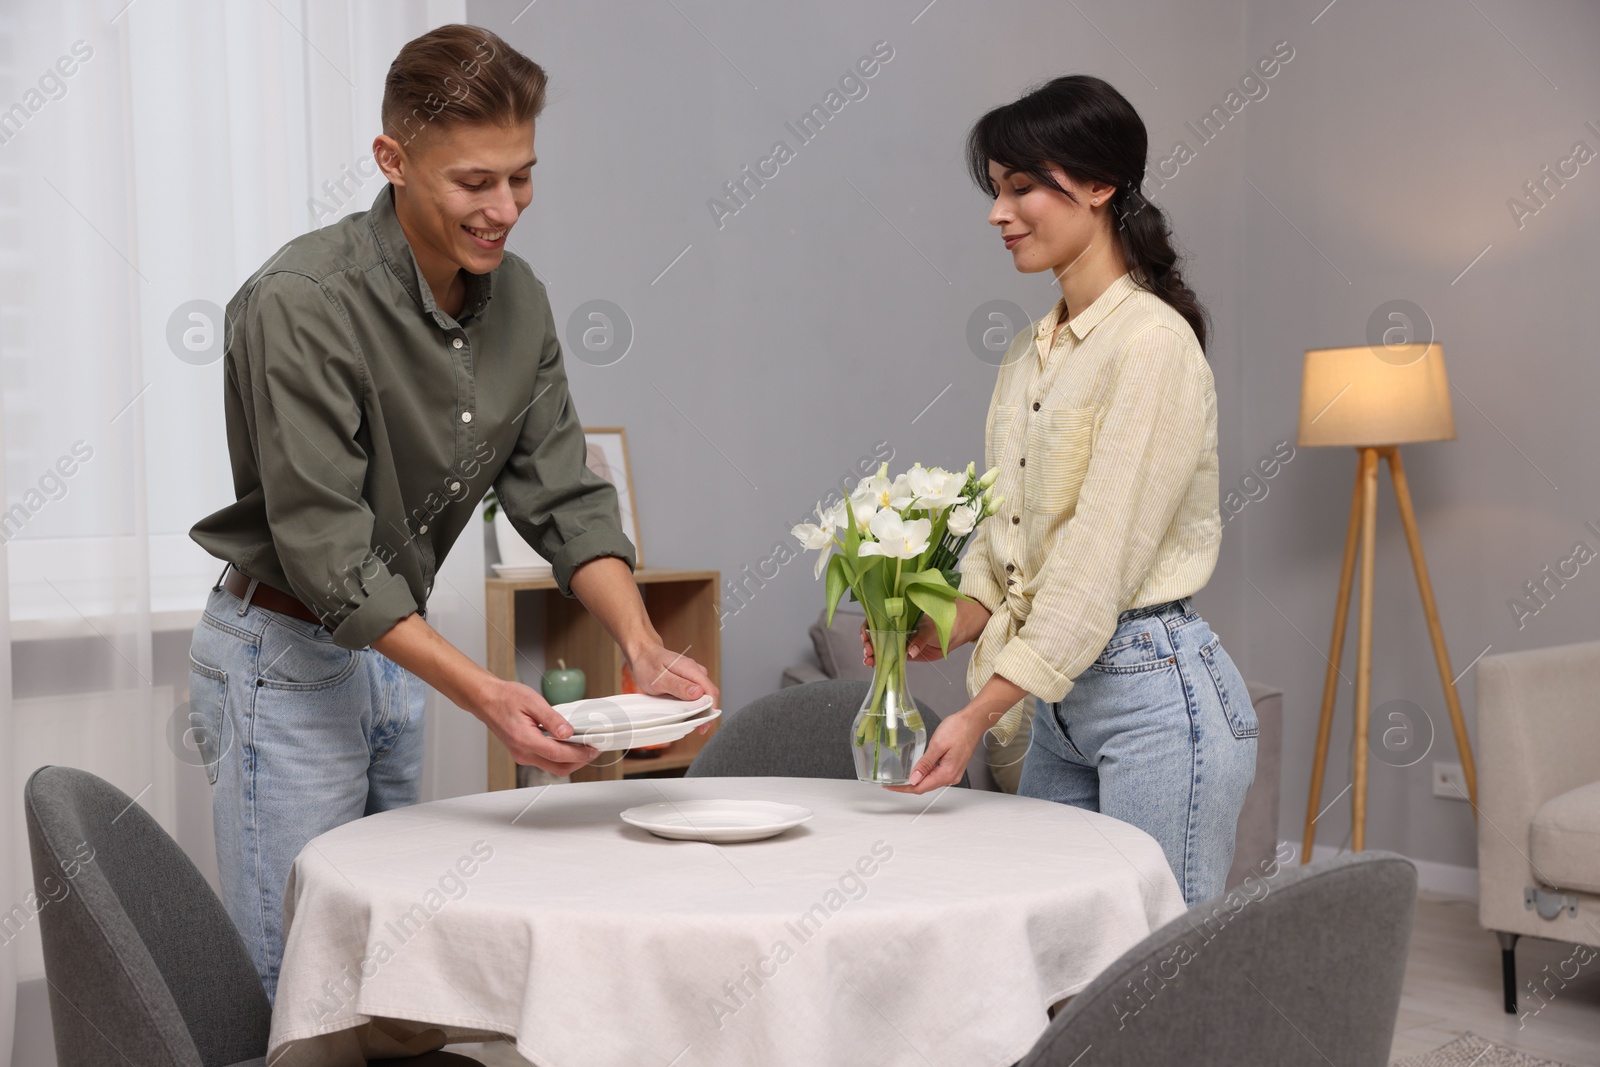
point(1088, 129)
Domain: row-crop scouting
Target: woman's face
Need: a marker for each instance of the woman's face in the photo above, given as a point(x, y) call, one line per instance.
point(1042, 228)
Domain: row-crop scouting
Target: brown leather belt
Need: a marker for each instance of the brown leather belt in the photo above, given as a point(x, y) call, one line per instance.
point(267, 597)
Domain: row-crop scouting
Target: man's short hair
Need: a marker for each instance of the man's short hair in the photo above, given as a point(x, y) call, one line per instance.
point(459, 75)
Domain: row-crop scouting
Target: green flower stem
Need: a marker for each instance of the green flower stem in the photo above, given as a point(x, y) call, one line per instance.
point(879, 727)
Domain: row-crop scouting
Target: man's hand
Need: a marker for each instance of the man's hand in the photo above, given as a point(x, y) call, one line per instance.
point(510, 710)
point(513, 713)
point(605, 586)
point(671, 674)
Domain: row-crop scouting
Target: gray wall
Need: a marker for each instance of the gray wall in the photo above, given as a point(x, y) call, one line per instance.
point(1393, 142)
point(825, 314)
point(828, 312)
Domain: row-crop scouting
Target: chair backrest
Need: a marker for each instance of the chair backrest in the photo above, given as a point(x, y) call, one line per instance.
point(801, 731)
point(1304, 966)
point(143, 962)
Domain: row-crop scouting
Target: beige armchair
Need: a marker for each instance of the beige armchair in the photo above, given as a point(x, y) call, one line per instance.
point(1538, 754)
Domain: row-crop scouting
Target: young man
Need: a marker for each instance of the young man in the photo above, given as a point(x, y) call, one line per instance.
point(381, 374)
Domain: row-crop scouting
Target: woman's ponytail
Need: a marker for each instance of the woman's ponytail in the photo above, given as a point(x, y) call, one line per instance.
point(1147, 244)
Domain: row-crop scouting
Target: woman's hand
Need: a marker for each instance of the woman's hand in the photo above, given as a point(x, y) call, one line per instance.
point(949, 751)
point(923, 647)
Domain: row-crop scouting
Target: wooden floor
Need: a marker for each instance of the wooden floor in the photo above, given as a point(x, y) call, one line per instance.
point(1452, 986)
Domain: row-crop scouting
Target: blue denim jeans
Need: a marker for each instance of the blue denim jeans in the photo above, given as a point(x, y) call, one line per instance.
point(299, 736)
point(1159, 731)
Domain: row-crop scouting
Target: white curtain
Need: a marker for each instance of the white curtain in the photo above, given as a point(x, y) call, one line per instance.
point(152, 156)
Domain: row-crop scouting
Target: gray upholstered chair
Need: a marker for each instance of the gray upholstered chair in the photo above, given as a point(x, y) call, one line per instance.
point(801, 731)
point(1301, 967)
point(144, 964)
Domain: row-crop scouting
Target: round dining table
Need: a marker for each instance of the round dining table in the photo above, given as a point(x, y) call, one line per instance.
point(890, 928)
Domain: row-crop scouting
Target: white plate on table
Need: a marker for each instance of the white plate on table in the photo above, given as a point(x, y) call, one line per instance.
point(628, 737)
point(513, 571)
point(716, 821)
point(628, 711)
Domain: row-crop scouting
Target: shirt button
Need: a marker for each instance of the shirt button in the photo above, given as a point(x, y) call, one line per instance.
point(456, 343)
point(422, 529)
point(1010, 567)
point(466, 416)
point(1036, 405)
point(1015, 519)
point(454, 486)
point(1023, 462)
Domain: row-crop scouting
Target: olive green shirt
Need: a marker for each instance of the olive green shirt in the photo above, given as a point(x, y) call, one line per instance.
point(364, 425)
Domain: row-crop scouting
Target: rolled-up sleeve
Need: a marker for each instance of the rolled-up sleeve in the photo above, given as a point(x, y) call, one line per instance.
point(566, 511)
point(1144, 457)
point(303, 389)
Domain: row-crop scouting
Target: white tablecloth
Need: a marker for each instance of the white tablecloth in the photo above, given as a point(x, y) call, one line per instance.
point(890, 929)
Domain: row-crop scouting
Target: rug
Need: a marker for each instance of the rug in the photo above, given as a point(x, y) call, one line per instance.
point(1470, 1050)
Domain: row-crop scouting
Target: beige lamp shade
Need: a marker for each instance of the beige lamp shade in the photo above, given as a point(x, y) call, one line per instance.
point(1372, 396)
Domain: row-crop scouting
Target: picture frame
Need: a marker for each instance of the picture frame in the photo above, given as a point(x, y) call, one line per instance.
point(607, 456)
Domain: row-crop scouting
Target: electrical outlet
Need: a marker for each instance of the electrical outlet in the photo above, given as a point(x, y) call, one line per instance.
point(1449, 781)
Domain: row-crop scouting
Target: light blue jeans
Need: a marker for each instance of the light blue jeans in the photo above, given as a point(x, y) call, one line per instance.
point(299, 736)
point(1159, 731)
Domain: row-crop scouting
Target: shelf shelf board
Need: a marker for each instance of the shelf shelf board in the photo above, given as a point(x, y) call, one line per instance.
point(642, 576)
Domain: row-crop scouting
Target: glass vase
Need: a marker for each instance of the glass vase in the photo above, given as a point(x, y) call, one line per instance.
point(887, 737)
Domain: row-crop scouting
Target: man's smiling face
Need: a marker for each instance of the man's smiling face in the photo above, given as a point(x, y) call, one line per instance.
point(460, 190)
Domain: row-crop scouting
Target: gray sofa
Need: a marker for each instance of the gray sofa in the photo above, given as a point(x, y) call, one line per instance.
point(1539, 803)
point(941, 687)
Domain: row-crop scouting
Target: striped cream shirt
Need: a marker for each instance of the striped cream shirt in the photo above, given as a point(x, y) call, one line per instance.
point(1107, 449)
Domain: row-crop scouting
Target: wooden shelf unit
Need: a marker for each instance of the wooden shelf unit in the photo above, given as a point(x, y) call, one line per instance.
point(682, 605)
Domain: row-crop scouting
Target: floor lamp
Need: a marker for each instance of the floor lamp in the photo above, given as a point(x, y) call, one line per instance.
point(1374, 399)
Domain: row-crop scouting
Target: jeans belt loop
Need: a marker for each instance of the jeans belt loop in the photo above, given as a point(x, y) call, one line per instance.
point(250, 591)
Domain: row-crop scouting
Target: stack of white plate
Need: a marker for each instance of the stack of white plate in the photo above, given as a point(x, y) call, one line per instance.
point(633, 720)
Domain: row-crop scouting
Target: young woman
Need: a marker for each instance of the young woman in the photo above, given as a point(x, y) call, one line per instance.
point(1103, 424)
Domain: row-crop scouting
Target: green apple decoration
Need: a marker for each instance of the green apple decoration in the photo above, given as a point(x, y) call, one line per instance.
point(564, 684)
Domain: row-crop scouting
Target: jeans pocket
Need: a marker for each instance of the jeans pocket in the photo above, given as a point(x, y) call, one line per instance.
point(1052, 712)
point(207, 730)
point(1231, 689)
point(1130, 654)
point(290, 659)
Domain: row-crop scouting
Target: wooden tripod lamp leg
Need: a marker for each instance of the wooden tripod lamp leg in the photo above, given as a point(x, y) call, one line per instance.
point(1441, 653)
point(1369, 552)
point(1330, 684)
